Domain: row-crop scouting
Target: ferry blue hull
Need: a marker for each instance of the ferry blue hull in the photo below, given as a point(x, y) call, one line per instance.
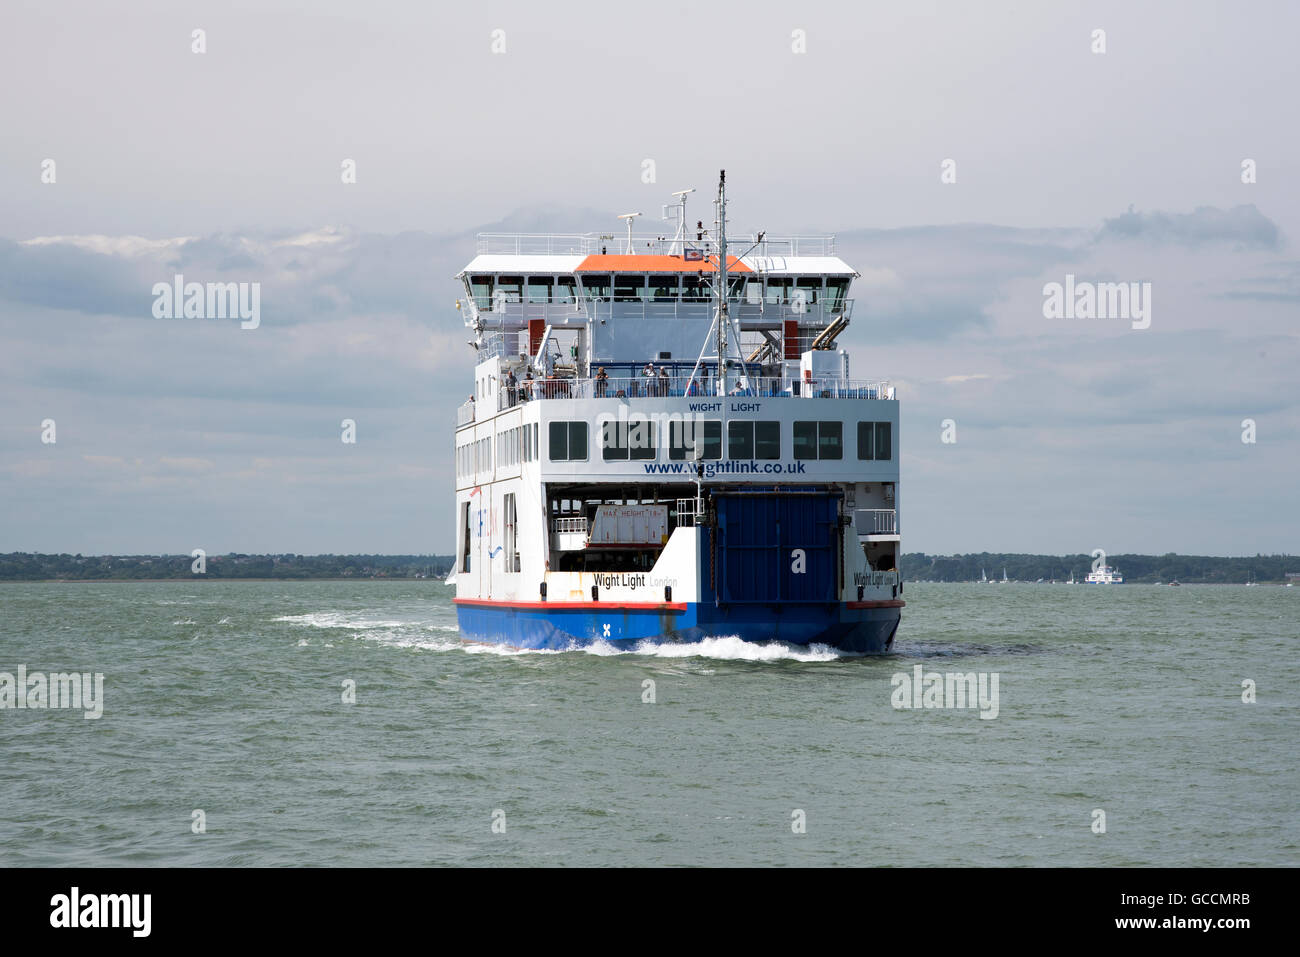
point(564, 625)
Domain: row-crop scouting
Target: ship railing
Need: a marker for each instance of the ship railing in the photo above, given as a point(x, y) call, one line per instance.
point(587, 244)
point(465, 413)
point(876, 521)
point(569, 525)
point(704, 386)
point(689, 511)
point(747, 313)
point(516, 315)
point(677, 385)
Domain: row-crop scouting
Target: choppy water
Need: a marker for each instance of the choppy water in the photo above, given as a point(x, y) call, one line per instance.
point(226, 697)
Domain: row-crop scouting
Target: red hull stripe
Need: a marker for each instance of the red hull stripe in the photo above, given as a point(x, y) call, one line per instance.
point(675, 607)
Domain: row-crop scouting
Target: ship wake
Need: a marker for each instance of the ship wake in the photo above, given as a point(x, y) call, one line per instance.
point(444, 636)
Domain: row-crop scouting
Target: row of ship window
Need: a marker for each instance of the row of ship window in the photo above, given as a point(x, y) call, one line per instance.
point(512, 447)
point(656, 287)
point(636, 441)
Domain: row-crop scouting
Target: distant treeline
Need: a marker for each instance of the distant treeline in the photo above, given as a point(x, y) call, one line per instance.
point(1204, 569)
point(24, 566)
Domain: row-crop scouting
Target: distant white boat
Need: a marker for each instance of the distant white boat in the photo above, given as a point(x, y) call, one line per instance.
point(1004, 574)
point(984, 579)
point(451, 577)
point(1105, 575)
point(1071, 581)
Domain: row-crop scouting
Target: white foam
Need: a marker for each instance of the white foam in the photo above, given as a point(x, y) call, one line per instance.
point(734, 648)
point(727, 648)
point(439, 636)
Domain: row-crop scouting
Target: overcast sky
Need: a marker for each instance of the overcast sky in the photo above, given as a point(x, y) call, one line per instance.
point(1072, 434)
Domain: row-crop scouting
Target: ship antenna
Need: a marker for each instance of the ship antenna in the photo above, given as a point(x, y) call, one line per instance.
point(679, 240)
point(721, 290)
point(630, 217)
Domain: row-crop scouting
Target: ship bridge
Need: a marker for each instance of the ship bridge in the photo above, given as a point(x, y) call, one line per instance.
point(573, 303)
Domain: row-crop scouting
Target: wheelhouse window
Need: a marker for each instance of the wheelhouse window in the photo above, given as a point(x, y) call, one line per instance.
point(481, 287)
point(695, 289)
point(663, 286)
point(596, 287)
point(568, 441)
point(836, 292)
point(623, 439)
point(778, 291)
point(876, 441)
point(539, 289)
point(510, 288)
point(566, 291)
point(629, 288)
point(683, 437)
point(809, 290)
point(818, 440)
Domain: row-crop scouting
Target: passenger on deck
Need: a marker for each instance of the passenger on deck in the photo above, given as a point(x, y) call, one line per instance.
point(602, 383)
point(512, 388)
point(527, 390)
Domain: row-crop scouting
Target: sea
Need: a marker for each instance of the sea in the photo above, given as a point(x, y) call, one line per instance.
point(325, 723)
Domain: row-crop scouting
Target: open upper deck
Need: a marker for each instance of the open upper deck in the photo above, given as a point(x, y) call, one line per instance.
point(587, 244)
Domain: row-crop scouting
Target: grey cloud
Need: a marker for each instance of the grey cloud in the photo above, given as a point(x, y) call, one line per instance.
point(1243, 226)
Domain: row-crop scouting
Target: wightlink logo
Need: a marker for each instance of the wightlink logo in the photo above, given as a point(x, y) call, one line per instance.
point(72, 690)
point(1098, 300)
point(103, 910)
point(930, 689)
point(213, 300)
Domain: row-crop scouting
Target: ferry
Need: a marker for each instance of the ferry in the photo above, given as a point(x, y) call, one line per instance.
point(664, 443)
point(1105, 575)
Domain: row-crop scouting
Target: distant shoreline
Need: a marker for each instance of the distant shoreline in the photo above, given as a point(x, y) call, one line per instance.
point(916, 567)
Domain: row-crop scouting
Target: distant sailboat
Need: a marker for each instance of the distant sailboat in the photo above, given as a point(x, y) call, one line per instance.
point(984, 579)
point(1004, 574)
point(1071, 581)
